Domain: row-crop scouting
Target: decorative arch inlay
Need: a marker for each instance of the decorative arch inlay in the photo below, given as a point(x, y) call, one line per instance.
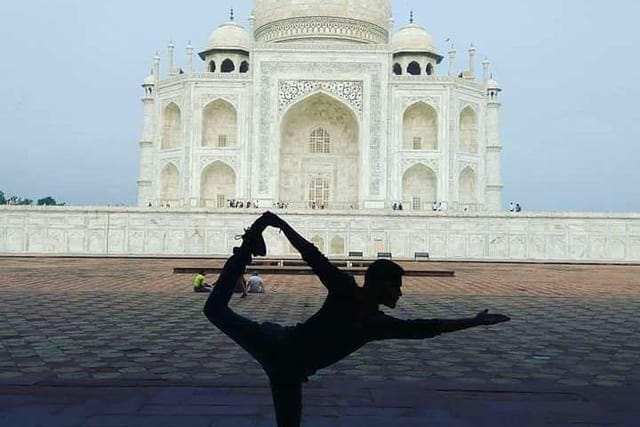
point(268, 124)
point(431, 164)
point(346, 90)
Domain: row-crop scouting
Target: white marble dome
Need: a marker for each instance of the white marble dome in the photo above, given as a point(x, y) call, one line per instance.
point(413, 38)
point(229, 36)
point(364, 21)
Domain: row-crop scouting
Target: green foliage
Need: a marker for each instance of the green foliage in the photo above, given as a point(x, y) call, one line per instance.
point(47, 201)
point(3, 201)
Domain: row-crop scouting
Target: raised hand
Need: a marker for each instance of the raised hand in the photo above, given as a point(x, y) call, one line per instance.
point(272, 219)
point(484, 318)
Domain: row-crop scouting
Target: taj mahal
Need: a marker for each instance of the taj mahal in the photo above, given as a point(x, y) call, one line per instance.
point(337, 112)
point(321, 104)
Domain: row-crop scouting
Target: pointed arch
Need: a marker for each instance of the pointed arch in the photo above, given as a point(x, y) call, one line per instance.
point(468, 188)
point(244, 67)
point(305, 176)
point(219, 124)
point(468, 139)
point(429, 69)
point(419, 187)
point(414, 68)
point(227, 66)
point(318, 242)
point(337, 246)
point(169, 184)
point(217, 185)
point(171, 127)
point(212, 66)
point(420, 127)
point(397, 69)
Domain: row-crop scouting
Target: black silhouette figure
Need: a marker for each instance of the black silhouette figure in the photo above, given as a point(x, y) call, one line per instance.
point(349, 318)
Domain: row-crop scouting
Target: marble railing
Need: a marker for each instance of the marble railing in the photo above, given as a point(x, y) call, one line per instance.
point(123, 231)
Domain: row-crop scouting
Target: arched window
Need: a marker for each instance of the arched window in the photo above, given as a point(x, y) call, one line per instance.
point(318, 193)
point(169, 184)
point(397, 69)
point(468, 131)
point(413, 68)
point(219, 125)
point(318, 242)
point(320, 141)
point(171, 127)
point(467, 189)
point(244, 67)
point(420, 127)
point(337, 246)
point(227, 66)
point(212, 66)
point(429, 69)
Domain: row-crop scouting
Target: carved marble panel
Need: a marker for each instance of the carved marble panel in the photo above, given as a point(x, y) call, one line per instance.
point(36, 240)
point(96, 241)
point(477, 246)
point(438, 245)
point(176, 242)
point(136, 241)
point(15, 240)
point(348, 91)
point(578, 246)
point(558, 246)
point(498, 246)
point(517, 246)
point(76, 241)
point(457, 246)
point(117, 240)
point(55, 241)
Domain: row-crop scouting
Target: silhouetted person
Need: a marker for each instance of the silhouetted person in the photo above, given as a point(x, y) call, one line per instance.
point(349, 318)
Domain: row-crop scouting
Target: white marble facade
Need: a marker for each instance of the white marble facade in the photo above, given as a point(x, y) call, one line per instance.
point(325, 103)
point(198, 232)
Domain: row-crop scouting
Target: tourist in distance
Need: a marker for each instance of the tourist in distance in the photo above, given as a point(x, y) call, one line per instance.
point(349, 318)
point(198, 283)
point(255, 284)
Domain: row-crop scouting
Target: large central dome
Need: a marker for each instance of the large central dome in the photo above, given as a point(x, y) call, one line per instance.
point(360, 21)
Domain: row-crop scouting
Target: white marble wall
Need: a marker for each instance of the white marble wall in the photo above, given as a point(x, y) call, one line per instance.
point(146, 231)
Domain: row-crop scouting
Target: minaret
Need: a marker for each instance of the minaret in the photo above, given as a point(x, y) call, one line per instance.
point(156, 68)
point(452, 62)
point(472, 62)
point(485, 71)
point(145, 176)
point(494, 148)
point(171, 50)
point(189, 58)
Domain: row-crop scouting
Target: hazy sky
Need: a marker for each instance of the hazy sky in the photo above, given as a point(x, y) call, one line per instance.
point(71, 115)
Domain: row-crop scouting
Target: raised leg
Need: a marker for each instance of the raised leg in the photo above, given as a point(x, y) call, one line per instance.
point(287, 401)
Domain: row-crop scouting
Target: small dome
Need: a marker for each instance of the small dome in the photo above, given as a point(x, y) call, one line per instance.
point(150, 80)
point(493, 85)
point(229, 36)
point(413, 38)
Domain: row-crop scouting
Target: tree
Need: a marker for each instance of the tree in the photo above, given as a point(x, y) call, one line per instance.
point(47, 201)
point(3, 201)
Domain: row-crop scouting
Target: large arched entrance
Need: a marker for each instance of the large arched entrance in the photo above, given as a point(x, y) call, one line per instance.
point(319, 155)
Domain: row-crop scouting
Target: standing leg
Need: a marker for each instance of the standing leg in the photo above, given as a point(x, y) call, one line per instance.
point(287, 401)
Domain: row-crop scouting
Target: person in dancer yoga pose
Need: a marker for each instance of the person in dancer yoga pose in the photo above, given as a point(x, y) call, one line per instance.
point(349, 318)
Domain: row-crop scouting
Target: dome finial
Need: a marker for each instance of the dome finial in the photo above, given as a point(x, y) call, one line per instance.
point(231, 15)
point(411, 17)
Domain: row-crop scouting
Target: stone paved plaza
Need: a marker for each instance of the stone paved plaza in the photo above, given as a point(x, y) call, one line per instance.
point(131, 328)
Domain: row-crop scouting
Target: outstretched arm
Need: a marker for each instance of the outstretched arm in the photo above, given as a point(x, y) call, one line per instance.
point(393, 328)
point(328, 273)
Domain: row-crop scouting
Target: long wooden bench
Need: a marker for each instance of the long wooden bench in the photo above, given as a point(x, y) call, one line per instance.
point(303, 269)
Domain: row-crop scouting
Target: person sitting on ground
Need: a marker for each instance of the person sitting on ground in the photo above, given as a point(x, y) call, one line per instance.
point(349, 318)
point(198, 283)
point(255, 284)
